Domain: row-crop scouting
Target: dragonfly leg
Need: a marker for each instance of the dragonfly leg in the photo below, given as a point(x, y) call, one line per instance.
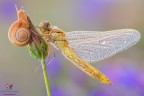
point(53, 51)
point(54, 54)
point(51, 60)
point(37, 67)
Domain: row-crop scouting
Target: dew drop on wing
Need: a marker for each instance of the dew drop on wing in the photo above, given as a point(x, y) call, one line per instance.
point(104, 42)
point(94, 46)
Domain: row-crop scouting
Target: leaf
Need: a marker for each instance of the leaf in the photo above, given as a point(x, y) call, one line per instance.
point(38, 49)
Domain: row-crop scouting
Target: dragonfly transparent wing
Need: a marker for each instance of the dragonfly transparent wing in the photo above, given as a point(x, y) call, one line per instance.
point(94, 46)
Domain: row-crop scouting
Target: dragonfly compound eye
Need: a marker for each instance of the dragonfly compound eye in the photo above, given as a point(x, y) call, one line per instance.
point(45, 26)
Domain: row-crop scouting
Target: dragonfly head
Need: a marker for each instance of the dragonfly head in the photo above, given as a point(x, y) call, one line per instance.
point(45, 26)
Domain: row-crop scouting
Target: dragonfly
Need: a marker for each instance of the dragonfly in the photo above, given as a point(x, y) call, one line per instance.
point(85, 47)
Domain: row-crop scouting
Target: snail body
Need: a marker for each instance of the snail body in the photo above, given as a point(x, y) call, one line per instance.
point(19, 33)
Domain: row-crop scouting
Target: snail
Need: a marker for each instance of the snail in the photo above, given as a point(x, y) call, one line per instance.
point(19, 32)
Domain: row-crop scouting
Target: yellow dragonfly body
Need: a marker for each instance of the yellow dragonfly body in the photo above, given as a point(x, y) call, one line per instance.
point(81, 47)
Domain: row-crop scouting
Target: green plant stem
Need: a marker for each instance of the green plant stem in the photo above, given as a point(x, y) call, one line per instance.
point(44, 68)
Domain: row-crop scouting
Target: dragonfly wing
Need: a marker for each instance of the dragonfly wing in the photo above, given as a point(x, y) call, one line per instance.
point(94, 46)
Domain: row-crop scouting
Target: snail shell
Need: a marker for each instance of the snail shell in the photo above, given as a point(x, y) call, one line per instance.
point(19, 33)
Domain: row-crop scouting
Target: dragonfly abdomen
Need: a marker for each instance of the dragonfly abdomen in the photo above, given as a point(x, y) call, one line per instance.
point(70, 54)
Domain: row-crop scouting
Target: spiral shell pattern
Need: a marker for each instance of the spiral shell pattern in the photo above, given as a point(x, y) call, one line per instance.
point(19, 34)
